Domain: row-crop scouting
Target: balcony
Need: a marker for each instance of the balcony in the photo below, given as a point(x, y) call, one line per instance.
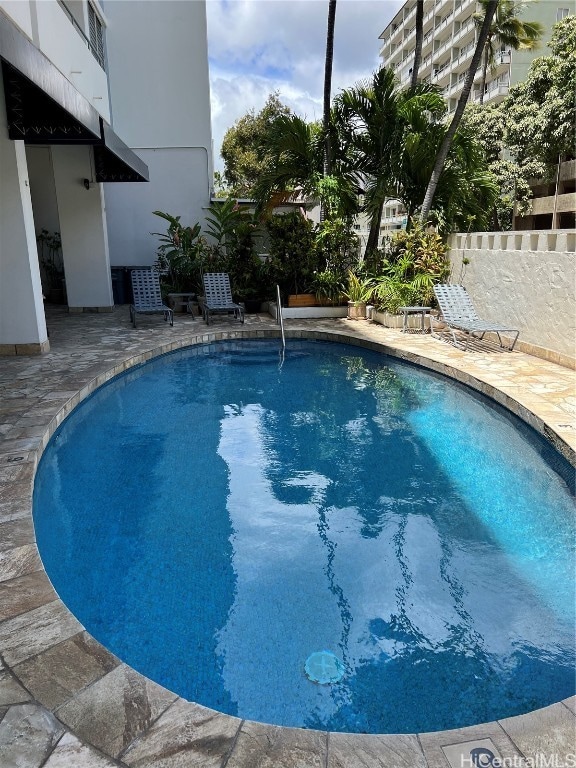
point(97, 48)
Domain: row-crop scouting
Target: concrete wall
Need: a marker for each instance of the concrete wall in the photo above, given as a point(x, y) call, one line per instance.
point(160, 96)
point(527, 279)
point(174, 187)
point(22, 324)
point(82, 229)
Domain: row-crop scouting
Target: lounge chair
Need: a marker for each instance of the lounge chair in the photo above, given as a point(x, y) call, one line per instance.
point(458, 314)
point(218, 297)
point(147, 296)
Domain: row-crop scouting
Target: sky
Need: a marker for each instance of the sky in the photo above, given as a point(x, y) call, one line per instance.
point(256, 47)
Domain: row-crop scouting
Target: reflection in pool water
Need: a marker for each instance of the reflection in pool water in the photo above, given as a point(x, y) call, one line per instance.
point(214, 519)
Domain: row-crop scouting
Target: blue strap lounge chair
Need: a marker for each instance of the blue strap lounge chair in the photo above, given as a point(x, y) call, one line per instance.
point(218, 297)
point(147, 296)
point(458, 314)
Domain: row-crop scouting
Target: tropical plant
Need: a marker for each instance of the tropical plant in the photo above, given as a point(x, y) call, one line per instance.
point(466, 190)
point(358, 289)
point(506, 30)
point(178, 255)
point(50, 256)
point(444, 148)
point(292, 253)
point(372, 119)
point(297, 171)
point(328, 287)
point(337, 245)
point(415, 261)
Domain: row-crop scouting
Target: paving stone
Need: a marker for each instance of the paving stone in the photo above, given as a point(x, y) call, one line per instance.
point(346, 750)
point(547, 733)
point(269, 746)
point(31, 633)
point(114, 711)
point(24, 593)
point(71, 753)
point(434, 744)
point(15, 534)
point(28, 733)
point(570, 703)
point(185, 736)
point(11, 692)
point(19, 560)
point(58, 673)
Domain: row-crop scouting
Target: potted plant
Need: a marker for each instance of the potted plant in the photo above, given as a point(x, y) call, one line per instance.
point(52, 265)
point(416, 260)
point(179, 261)
point(358, 292)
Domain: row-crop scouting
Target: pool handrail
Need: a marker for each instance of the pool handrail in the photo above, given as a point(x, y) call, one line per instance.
point(279, 317)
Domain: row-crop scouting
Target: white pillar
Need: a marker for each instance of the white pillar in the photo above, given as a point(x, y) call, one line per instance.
point(83, 230)
point(22, 322)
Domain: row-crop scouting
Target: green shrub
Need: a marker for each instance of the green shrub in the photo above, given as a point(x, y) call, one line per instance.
point(413, 263)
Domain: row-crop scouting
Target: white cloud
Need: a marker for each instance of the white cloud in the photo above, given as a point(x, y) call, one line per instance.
point(259, 46)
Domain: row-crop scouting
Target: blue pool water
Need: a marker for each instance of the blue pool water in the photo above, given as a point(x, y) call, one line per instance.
point(215, 520)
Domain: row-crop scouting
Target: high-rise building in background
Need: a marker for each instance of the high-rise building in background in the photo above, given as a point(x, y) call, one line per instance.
point(450, 34)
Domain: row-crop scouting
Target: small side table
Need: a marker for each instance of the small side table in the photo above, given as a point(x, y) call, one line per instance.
point(413, 311)
point(182, 300)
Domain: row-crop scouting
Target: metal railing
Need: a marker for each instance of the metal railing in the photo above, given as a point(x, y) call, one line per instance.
point(279, 318)
point(92, 48)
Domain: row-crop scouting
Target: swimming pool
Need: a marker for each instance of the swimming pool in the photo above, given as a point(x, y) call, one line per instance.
point(239, 517)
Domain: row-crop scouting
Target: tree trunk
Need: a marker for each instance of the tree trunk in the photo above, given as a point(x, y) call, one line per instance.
point(418, 44)
point(484, 72)
point(491, 6)
point(328, 86)
point(372, 242)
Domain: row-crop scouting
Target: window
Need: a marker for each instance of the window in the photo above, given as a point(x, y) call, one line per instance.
point(561, 13)
point(96, 36)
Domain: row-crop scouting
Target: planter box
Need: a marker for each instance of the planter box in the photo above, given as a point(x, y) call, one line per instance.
point(356, 311)
point(396, 321)
point(302, 300)
point(295, 313)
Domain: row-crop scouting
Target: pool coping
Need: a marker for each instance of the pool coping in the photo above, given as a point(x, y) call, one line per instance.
point(114, 714)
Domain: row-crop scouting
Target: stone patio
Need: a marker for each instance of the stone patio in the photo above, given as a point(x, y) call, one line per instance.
point(67, 702)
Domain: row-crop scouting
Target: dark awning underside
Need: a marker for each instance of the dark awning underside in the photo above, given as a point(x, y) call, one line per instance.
point(44, 108)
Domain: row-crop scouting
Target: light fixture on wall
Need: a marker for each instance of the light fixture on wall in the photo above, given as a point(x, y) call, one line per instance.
point(86, 183)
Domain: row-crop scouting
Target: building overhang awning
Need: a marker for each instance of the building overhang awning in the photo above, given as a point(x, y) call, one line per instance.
point(44, 108)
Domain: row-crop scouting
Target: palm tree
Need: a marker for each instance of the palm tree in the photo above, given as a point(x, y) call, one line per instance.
point(418, 42)
point(507, 30)
point(372, 118)
point(466, 190)
point(297, 168)
point(328, 85)
point(491, 6)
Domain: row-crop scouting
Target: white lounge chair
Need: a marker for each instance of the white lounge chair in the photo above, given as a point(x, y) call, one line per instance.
point(458, 313)
point(218, 297)
point(147, 296)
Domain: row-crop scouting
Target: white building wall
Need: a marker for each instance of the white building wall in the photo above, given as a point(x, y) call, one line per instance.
point(22, 324)
point(20, 13)
point(160, 95)
point(526, 279)
point(42, 189)
point(62, 43)
point(82, 229)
